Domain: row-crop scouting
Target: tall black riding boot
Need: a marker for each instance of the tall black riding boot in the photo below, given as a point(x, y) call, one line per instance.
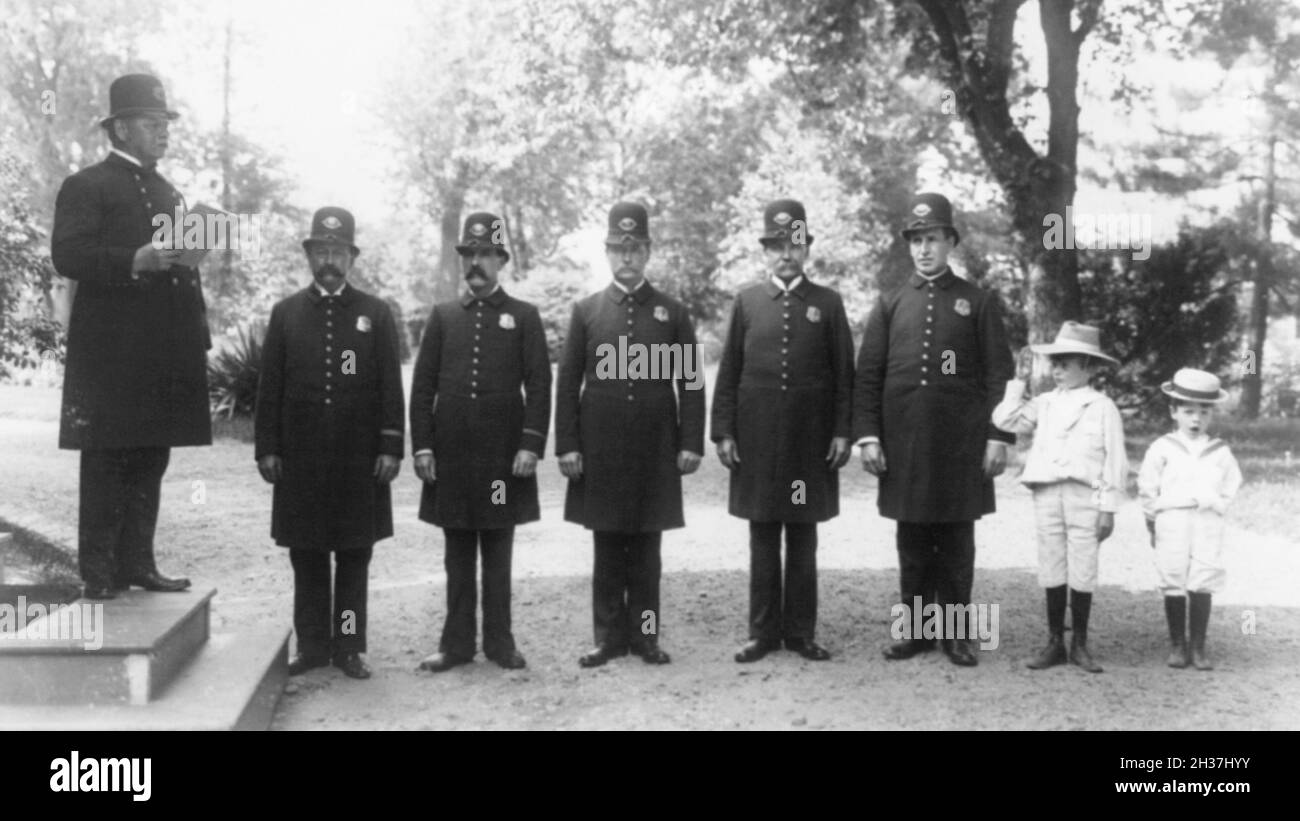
point(1054, 653)
point(1176, 615)
point(1198, 624)
point(1081, 608)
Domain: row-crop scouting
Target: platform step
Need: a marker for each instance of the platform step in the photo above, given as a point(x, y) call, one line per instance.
point(234, 683)
point(121, 651)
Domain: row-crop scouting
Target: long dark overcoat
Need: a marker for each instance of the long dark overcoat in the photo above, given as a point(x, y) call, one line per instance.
point(329, 402)
point(481, 392)
point(628, 430)
point(783, 392)
point(934, 362)
point(136, 373)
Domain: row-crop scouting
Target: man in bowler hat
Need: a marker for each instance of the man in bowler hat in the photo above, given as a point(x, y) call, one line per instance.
point(135, 385)
point(624, 442)
point(329, 437)
point(781, 423)
point(480, 407)
point(933, 364)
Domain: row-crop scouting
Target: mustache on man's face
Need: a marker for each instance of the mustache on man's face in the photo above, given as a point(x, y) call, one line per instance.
point(475, 271)
point(329, 269)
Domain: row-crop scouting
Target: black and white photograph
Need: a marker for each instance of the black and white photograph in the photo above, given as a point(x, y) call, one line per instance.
point(652, 365)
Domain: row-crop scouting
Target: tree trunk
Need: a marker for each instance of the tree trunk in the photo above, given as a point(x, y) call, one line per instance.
point(1035, 186)
point(447, 284)
point(1252, 387)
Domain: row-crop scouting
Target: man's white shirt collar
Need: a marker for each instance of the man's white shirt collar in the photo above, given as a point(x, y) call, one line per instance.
point(627, 290)
point(324, 292)
point(794, 283)
point(495, 288)
point(119, 152)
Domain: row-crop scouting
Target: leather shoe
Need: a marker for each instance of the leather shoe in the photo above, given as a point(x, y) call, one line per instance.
point(510, 660)
point(302, 664)
point(1050, 656)
point(651, 654)
point(352, 665)
point(96, 592)
point(905, 649)
point(155, 582)
point(755, 649)
point(442, 662)
point(601, 655)
point(959, 653)
point(808, 648)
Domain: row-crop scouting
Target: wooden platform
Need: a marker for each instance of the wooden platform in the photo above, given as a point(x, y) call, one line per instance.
point(142, 660)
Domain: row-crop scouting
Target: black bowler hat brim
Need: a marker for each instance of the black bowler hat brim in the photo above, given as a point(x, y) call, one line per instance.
point(310, 241)
point(139, 112)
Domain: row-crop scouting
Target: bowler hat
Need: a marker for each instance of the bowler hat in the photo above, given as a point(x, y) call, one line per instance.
point(332, 224)
point(785, 219)
point(134, 94)
point(1192, 385)
point(483, 230)
point(628, 222)
point(1076, 338)
point(929, 210)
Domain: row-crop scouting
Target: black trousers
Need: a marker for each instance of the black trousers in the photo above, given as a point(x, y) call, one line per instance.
point(324, 630)
point(625, 588)
point(461, 562)
point(772, 617)
point(936, 561)
point(118, 514)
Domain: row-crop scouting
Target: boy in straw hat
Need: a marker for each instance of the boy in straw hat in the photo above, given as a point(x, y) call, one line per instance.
point(1186, 482)
point(1076, 469)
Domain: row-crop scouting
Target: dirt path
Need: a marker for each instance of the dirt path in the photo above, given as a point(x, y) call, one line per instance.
point(222, 541)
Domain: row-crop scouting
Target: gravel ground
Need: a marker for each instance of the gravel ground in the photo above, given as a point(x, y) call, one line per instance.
point(219, 538)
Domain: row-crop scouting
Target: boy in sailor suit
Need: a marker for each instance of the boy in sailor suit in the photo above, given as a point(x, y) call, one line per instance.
point(1186, 482)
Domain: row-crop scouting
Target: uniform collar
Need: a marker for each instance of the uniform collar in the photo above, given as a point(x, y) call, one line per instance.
point(943, 280)
point(118, 157)
point(130, 159)
point(618, 294)
point(800, 288)
point(496, 299)
point(345, 295)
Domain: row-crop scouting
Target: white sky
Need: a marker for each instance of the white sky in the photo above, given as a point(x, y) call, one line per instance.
point(304, 75)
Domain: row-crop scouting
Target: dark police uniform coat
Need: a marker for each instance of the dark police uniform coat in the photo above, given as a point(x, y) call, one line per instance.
point(326, 421)
point(136, 372)
point(466, 406)
point(629, 431)
point(933, 425)
point(783, 392)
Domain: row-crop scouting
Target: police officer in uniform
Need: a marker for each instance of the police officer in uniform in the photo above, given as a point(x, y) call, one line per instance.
point(781, 423)
point(477, 440)
point(135, 385)
point(625, 443)
point(933, 364)
point(329, 436)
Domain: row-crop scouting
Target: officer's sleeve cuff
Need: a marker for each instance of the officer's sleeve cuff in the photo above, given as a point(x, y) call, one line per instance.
point(868, 440)
point(423, 452)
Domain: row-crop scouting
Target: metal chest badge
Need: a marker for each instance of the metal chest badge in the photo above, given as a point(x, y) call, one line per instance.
point(507, 321)
point(962, 307)
point(363, 324)
point(814, 315)
point(661, 313)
